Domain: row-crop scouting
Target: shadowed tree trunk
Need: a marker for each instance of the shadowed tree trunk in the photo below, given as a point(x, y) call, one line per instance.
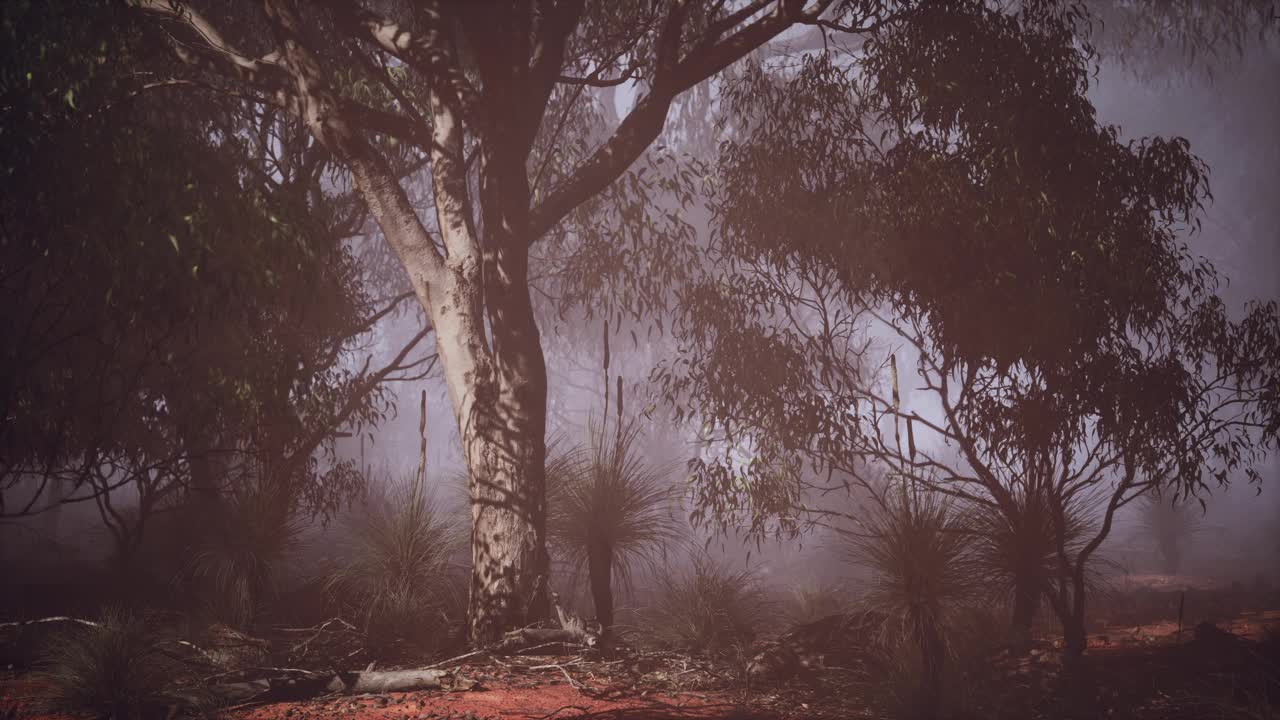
point(932, 655)
point(1026, 603)
point(600, 568)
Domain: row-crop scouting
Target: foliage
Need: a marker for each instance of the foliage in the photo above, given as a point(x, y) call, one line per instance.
point(177, 301)
point(1155, 37)
point(113, 669)
point(951, 187)
point(708, 608)
point(395, 569)
point(244, 550)
point(920, 549)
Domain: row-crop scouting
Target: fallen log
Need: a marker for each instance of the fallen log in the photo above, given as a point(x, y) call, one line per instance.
point(296, 685)
point(382, 681)
point(220, 695)
point(572, 631)
point(517, 640)
point(22, 642)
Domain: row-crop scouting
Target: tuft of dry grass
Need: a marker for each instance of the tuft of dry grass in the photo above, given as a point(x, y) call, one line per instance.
point(241, 556)
point(709, 608)
point(112, 670)
point(394, 574)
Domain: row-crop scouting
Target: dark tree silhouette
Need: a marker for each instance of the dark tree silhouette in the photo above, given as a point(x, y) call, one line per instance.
point(179, 307)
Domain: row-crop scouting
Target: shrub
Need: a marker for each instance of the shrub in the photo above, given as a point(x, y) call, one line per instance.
point(242, 552)
point(709, 609)
point(395, 574)
point(919, 548)
point(112, 669)
point(810, 602)
point(609, 512)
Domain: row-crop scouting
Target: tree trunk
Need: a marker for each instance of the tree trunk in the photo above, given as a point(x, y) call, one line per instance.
point(509, 562)
point(600, 568)
point(1074, 637)
point(53, 515)
point(1026, 603)
point(507, 447)
point(932, 654)
point(476, 293)
point(499, 399)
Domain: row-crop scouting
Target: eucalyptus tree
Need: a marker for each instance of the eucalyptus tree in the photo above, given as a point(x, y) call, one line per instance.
point(950, 184)
point(483, 99)
point(476, 92)
point(179, 302)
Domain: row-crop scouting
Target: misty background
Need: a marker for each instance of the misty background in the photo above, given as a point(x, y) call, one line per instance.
point(1228, 109)
point(1230, 112)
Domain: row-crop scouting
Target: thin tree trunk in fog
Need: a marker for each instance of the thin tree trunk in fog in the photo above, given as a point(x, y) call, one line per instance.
point(932, 654)
point(1026, 603)
point(53, 516)
point(600, 569)
point(1075, 639)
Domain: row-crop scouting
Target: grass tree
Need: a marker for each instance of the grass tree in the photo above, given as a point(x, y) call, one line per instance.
point(395, 570)
point(1016, 551)
point(610, 511)
point(238, 561)
point(111, 668)
point(919, 547)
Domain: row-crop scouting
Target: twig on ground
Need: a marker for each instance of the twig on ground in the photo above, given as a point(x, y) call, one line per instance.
point(560, 643)
point(450, 661)
point(559, 710)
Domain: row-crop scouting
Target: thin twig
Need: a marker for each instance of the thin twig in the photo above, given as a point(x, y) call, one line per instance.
point(450, 661)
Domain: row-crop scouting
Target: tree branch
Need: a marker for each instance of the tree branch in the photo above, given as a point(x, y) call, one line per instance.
point(645, 121)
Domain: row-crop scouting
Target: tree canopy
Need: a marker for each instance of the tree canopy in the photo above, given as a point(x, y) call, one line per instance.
point(177, 292)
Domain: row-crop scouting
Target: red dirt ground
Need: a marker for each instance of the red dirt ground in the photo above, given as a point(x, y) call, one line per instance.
point(544, 702)
point(20, 698)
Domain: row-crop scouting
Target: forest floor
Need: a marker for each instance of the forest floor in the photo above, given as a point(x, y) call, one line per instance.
point(1227, 669)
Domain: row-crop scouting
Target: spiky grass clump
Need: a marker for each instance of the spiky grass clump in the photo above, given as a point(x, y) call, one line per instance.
point(709, 609)
point(920, 550)
point(112, 669)
point(609, 512)
point(243, 552)
point(396, 575)
point(1015, 553)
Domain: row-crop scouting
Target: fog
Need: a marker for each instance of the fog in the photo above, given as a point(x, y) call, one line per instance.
point(1229, 118)
point(862, 397)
